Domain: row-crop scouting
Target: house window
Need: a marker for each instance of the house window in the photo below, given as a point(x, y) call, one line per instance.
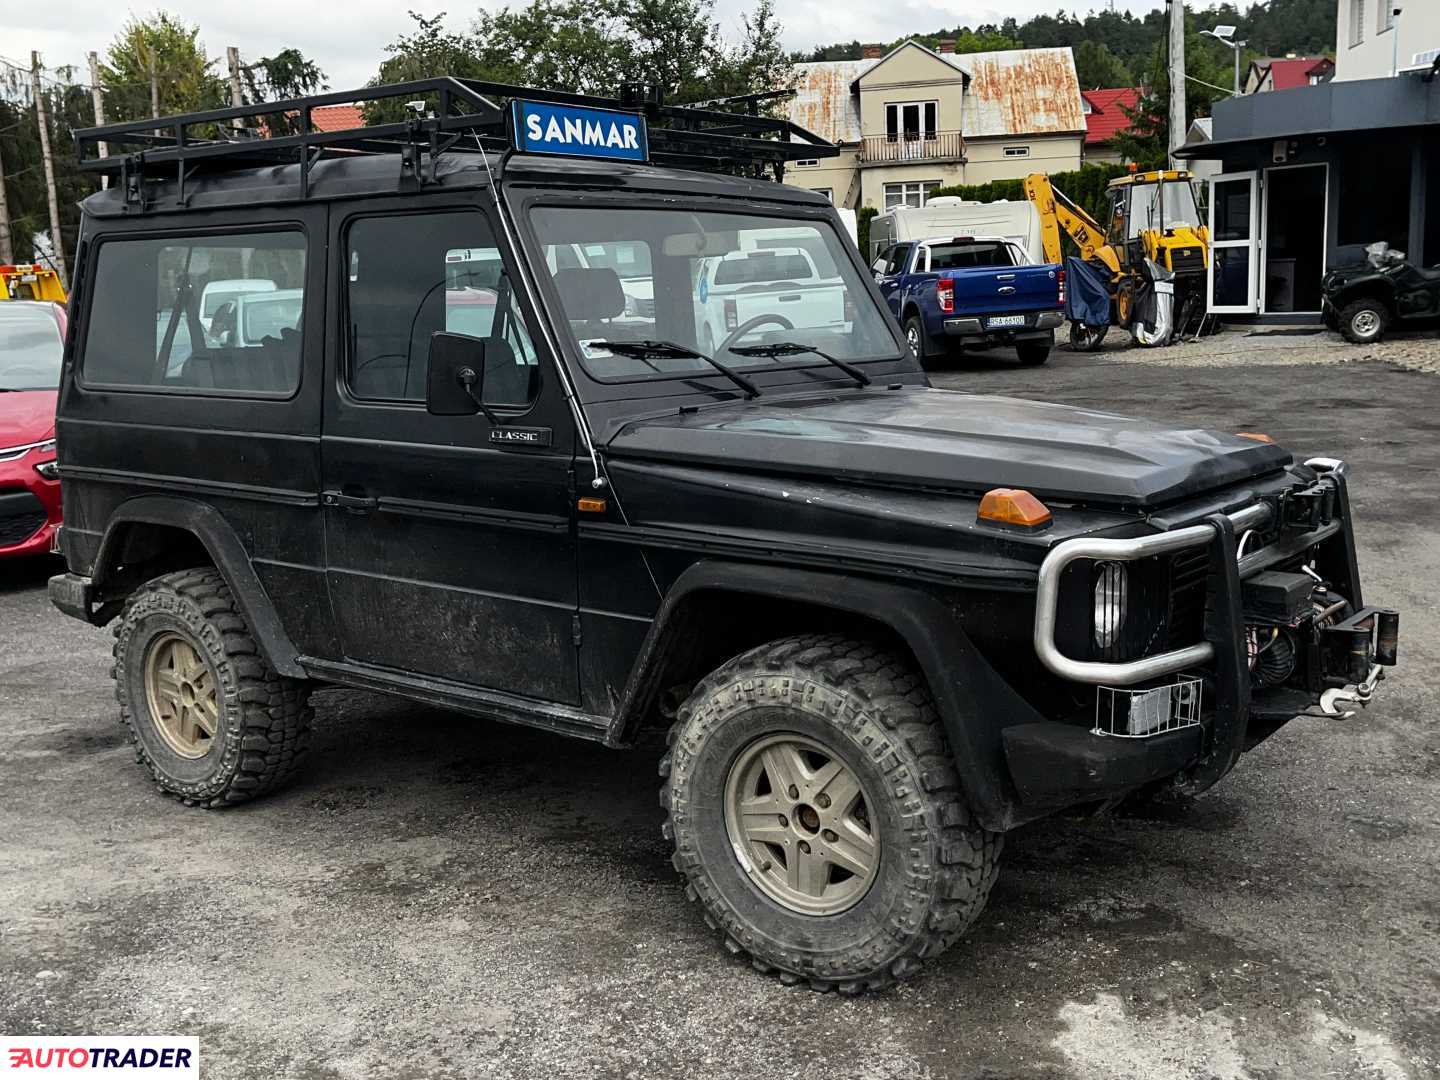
point(911, 120)
point(806, 163)
point(1017, 151)
point(909, 193)
point(1357, 22)
point(829, 193)
point(1386, 13)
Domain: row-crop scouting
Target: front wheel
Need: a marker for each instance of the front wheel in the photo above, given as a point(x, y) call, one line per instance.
point(1364, 321)
point(817, 816)
point(1086, 338)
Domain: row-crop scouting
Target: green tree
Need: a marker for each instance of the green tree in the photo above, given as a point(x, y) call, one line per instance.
point(758, 63)
point(1098, 68)
point(185, 76)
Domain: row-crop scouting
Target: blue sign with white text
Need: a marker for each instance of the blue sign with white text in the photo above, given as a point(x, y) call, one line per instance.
point(576, 131)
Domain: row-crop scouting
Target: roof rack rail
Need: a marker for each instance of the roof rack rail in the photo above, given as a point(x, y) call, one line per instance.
point(438, 114)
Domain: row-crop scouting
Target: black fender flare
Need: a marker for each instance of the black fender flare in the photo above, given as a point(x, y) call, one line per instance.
point(974, 700)
point(219, 539)
point(1378, 289)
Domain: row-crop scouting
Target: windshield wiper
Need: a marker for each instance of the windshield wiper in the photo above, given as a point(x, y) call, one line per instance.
point(642, 349)
point(794, 348)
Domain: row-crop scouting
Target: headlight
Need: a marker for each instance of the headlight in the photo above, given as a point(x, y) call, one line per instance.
point(1110, 584)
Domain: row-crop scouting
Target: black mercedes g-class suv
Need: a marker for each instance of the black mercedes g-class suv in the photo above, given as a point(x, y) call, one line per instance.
point(425, 408)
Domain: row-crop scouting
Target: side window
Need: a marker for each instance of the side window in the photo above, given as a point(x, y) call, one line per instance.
point(899, 259)
point(412, 275)
point(197, 315)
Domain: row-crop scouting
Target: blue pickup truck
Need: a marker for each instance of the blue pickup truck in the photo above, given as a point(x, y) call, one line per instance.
point(971, 292)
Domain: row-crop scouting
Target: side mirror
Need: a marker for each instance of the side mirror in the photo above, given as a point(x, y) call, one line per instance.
point(455, 380)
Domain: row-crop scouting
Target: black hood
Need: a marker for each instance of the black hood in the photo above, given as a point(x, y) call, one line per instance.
point(919, 436)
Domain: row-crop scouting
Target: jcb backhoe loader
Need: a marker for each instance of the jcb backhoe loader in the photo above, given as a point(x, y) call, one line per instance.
point(1152, 215)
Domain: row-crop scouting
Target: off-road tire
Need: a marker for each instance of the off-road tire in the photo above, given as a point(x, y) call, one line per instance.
point(1378, 318)
point(264, 718)
point(936, 865)
point(1032, 355)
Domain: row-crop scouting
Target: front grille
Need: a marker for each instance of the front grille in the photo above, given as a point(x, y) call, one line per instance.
point(1189, 585)
point(21, 517)
point(1187, 260)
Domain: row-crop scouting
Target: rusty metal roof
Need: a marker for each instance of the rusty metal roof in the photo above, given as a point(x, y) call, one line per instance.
point(1011, 92)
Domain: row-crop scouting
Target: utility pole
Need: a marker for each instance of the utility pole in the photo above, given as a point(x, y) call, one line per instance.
point(98, 100)
point(237, 96)
point(1177, 78)
point(154, 89)
point(49, 170)
point(7, 253)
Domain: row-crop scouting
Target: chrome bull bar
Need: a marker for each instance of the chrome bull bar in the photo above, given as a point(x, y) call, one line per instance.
point(1047, 599)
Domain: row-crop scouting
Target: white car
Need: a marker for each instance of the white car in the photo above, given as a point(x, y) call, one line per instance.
point(769, 289)
point(226, 290)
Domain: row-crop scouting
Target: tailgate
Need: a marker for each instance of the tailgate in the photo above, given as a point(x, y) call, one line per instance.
point(1006, 290)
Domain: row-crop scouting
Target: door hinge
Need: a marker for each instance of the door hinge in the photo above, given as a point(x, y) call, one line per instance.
point(575, 630)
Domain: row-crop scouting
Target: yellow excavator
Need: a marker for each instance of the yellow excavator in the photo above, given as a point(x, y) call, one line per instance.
point(27, 281)
point(1152, 215)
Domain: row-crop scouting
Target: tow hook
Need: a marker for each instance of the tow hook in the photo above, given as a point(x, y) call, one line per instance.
point(1331, 700)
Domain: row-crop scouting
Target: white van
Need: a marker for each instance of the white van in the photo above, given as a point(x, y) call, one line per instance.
point(948, 215)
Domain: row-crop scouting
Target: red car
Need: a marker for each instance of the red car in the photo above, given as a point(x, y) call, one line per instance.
point(32, 335)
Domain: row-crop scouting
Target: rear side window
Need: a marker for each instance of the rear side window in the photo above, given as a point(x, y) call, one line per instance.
point(964, 256)
point(200, 314)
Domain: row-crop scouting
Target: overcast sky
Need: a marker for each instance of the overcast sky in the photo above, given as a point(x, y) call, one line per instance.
point(346, 39)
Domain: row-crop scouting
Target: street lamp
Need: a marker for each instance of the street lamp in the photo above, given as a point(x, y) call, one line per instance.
point(1225, 34)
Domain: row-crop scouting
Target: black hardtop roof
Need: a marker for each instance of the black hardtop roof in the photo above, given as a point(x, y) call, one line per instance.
point(271, 152)
point(380, 174)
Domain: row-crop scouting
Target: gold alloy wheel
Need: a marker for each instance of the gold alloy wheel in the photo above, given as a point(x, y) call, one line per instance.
point(181, 693)
point(799, 823)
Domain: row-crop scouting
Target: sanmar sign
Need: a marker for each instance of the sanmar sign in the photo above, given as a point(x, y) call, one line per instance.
point(541, 128)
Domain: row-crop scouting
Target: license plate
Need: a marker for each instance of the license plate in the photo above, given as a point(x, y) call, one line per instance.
point(996, 321)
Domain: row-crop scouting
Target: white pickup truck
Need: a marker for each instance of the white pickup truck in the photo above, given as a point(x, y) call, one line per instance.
point(765, 288)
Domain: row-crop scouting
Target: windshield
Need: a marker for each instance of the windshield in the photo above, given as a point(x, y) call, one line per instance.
point(1175, 208)
point(30, 347)
point(709, 282)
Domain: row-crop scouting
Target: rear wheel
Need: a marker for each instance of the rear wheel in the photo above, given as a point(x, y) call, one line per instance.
point(817, 816)
point(1032, 353)
point(210, 719)
point(1364, 321)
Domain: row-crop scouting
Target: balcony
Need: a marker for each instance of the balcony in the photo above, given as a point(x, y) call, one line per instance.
point(912, 146)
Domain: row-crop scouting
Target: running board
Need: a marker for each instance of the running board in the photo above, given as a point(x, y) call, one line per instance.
point(447, 694)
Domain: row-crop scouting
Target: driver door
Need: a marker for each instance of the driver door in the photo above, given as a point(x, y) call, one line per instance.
point(449, 555)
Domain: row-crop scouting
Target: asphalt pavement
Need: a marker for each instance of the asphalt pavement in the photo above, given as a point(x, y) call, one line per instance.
point(441, 897)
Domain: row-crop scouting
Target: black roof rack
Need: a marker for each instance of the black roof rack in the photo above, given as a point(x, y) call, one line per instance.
point(441, 115)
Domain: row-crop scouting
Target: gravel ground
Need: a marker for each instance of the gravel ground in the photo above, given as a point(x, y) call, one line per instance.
point(442, 897)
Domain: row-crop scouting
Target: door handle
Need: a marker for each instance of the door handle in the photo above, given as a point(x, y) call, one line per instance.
point(352, 504)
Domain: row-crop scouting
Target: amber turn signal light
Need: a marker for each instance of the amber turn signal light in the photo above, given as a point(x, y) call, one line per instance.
point(588, 504)
point(1258, 436)
point(1013, 506)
